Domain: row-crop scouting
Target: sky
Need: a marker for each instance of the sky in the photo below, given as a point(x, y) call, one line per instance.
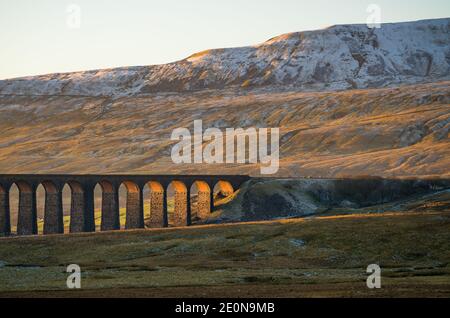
point(49, 36)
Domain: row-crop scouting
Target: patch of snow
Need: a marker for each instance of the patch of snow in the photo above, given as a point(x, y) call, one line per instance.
point(297, 242)
point(337, 58)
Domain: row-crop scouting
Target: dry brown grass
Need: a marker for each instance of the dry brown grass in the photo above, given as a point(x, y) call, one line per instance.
point(291, 258)
point(391, 132)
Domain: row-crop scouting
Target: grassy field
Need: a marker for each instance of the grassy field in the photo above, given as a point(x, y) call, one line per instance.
point(315, 257)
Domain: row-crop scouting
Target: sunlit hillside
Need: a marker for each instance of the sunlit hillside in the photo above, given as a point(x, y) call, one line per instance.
point(390, 132)
point(339, 95)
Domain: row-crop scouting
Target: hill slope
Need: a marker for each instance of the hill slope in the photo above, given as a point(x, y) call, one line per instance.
point(121, 120)
point(383, 132)
point(339, 57)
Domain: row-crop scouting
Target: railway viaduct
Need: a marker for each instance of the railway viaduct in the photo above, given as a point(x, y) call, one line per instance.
point(82, 218)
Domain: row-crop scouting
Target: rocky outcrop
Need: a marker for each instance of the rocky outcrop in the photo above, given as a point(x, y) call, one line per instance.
point(261, 199)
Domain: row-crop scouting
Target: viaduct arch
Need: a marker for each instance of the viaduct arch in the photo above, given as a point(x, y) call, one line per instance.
point(82, 218)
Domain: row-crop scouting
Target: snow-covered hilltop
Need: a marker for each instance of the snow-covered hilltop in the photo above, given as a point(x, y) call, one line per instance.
point(339, 57)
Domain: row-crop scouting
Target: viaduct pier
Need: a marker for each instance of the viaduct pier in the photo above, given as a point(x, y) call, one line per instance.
point(82, 218)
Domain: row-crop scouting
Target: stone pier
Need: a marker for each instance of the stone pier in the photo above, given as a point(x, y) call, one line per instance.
point(110, 207)
point(27, 218)
point(82, 218)
point(135, 210)
point(53, 216)
point(157, 197)
point(5, 223)
point(180, 210)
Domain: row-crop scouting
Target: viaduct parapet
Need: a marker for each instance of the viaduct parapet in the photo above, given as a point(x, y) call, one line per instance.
point(82, 217)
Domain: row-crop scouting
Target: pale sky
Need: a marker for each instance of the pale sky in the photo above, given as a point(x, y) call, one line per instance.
point(36, 37)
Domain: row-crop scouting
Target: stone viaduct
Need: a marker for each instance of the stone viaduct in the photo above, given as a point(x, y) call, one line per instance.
point(82, 187)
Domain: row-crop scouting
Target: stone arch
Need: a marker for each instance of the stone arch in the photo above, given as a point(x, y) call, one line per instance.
point(53, 215)
point(223, 189)
point(158, 205)
point(134, 209)
point(202, 193)
point(110, 219)
point(5, 221)
point(222, 192)
point(180, 216)
point(77, 207)
point(27, 212)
